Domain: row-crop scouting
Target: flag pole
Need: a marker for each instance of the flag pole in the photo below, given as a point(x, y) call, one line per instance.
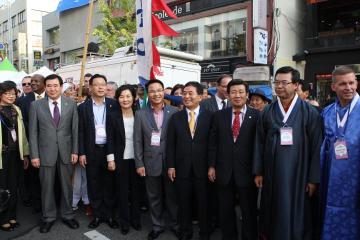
point(87, 35)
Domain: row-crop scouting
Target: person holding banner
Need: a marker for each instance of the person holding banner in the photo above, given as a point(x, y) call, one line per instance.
point(150, 129)
point(340, 155)
point(287, 161)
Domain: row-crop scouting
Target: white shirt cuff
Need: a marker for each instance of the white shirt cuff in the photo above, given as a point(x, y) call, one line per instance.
point(110, 157)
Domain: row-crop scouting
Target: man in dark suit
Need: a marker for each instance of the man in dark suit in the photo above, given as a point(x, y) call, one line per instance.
point(217, 102)
point(220, 99)
point(230, 160)
point(31, 175)
point(53, 135)
point(150, 129)
point(93, 115)
point(187, 159)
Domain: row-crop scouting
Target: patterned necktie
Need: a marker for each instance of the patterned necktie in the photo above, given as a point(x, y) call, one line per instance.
point(236, 125)
point(192, 122)
point(56, 115)
point(223, 104)
point(38, 97)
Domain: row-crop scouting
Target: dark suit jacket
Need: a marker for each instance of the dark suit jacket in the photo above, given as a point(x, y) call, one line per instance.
point(227, 157)
point(185, 153)
point(210, 104)
point(116, 135)
point(87, 125)
point(24, 104)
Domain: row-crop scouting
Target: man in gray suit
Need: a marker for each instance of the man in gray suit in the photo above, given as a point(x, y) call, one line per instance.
point(53, 134)
point(149, 144)
point(220, 100)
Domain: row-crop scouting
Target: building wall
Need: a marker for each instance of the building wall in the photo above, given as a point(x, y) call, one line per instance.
point(290, 18)
point(25, 36)
point(73, 28)
point(51, 51)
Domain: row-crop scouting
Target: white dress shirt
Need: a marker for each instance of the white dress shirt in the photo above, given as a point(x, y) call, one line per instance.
point(242, 115)
point(39, 96)
point(196, 111)
point(219, 102)
point(52, 106)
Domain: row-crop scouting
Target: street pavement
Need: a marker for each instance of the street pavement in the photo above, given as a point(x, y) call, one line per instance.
point(61, 232)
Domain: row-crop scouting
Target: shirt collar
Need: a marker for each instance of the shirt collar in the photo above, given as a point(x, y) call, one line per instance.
point(219, 100)
point(56, 100)
point(243, 110)
point(94, 103)
point(196, 111)
point(152, 108)
point(41, 94)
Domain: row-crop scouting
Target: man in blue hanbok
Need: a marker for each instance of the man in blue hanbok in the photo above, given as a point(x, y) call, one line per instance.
point(340, 160)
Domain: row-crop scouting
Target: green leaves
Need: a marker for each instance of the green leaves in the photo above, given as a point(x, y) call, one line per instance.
point(118, 26)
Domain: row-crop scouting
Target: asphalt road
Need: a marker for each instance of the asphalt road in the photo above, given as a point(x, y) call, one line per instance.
point(61, 232)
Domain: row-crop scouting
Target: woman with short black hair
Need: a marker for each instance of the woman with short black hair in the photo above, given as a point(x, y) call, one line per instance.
point(14, 150)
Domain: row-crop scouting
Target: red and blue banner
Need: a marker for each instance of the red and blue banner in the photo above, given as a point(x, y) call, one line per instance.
point(149, 26)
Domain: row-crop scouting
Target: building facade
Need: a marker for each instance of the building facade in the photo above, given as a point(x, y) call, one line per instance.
point(21, 31)
point(64, 35)
point(332, 39)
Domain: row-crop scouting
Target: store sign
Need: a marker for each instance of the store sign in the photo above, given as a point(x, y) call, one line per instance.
point(37, 55)
point(260, 46)
point(178, 10)
point(260, 14)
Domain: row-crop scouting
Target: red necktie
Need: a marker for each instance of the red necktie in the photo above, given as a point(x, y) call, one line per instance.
point(236, 125)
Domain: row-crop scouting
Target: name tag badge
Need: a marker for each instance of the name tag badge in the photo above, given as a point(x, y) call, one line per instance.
point(155, 139)
point(340, 149)
point(286, 136)
point(100, 131)
point(13, 135)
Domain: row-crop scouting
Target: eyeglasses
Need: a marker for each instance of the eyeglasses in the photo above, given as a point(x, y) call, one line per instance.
point(26, 84)
point(282, 83)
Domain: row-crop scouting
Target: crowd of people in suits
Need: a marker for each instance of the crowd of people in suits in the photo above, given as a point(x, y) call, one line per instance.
point(182, 153)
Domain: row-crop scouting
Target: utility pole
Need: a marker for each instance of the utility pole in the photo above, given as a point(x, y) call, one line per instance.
point(87, 35)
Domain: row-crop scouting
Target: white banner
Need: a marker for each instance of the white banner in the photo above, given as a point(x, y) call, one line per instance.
point(144, 38)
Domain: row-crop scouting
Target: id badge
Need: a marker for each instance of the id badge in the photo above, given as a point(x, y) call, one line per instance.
point(286, 136)
point(100, 131)
point(13, 135)
point(340, 149)
point(155, 139)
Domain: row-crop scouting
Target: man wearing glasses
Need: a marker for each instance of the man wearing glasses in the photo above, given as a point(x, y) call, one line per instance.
point(150, 129)
point(287, 160)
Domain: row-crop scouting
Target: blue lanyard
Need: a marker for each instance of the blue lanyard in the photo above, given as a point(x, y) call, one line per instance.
point(2, 120)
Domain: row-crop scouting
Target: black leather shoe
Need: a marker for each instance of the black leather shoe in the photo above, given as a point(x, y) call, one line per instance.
point(46, 226)
point(94, 223)
point(136, 226)
point(6, 229)
point(15, 224)
point(112, 223)
point(124, 229)
point(154, 234)
point(71, 223)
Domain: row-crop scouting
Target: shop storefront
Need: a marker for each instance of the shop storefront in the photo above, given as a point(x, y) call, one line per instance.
point(219, 31)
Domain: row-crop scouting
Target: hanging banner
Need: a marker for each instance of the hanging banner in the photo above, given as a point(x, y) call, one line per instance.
point(144, 39)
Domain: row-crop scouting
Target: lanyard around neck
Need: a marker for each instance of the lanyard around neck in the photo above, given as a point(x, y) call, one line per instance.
point(286, 115)
point(341, 123)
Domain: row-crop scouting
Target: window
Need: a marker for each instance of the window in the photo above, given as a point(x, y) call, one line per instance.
point(217, 36)
point(21, 17)
point(5, 26)
point(15, 45)
point(13, 21)
point(54, 36)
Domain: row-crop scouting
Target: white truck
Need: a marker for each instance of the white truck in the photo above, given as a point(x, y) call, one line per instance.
point(176, 67)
